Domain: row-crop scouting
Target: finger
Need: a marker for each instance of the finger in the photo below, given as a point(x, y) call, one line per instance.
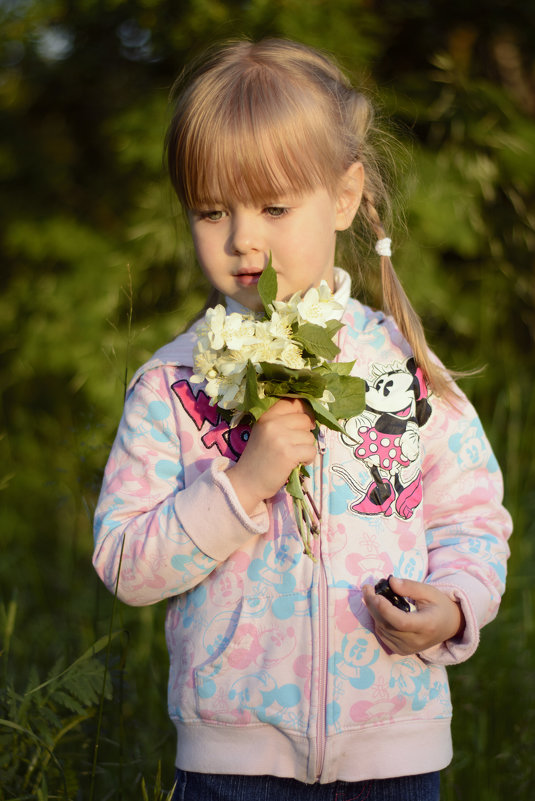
point(282, 426)
point(392, 626)
point(420, 592)
point(289, 418)
point(287, 406)
point(306, 408)
point(291, 441)
point(299, 447)
point(383, 611)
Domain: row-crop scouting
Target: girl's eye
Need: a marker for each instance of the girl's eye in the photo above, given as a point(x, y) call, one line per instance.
point(212, 216)
point(276, 211)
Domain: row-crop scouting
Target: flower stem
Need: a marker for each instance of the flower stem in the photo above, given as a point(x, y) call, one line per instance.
point(306, 512)
point(311, 502)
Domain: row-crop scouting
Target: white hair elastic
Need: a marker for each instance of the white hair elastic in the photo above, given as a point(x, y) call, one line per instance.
point(382, 247)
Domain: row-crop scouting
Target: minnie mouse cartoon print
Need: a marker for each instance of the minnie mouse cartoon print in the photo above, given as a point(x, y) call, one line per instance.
point(388, 442)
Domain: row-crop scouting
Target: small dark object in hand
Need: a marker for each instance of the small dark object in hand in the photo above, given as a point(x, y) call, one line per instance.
point(383, 588)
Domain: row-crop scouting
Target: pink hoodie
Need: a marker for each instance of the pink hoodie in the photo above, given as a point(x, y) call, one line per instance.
point(275, 667)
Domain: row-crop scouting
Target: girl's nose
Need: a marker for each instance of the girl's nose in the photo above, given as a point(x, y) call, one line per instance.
point(245, 234)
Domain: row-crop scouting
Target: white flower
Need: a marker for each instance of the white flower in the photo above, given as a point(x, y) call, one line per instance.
point(291, 356)
point(204, 361)
point(212, 388)
point(233, 363)
point(214, 324)
point(287, 309)
point(280, 326)
point(318, 306)
point(238, 331)
point(263, 346)
point(264, 351)
point(231, 392)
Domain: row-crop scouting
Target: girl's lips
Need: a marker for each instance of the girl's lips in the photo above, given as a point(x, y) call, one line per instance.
point(248, 279)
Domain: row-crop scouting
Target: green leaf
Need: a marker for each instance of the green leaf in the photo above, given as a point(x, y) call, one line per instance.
point(277, 379)
point(349, 395)
point(333, 326)
point(262, 406)
point(340, 368)
point(278, 388)
point(98, 646)
point(316, 340)
point(267, 287)
point(253, 403)
point(297, 387)
point(323, 416)
point(279, 372)
point(293, 485)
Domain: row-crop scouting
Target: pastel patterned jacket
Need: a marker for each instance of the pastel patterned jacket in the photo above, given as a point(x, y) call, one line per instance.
point(274, 664)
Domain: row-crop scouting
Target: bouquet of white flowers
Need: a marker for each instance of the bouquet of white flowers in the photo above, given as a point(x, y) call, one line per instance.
point(250, 363)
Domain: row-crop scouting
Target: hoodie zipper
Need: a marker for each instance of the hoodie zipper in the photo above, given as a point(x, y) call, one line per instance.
point(321, 723)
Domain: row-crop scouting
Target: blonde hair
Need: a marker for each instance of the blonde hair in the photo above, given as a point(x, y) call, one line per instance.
point(255, 120)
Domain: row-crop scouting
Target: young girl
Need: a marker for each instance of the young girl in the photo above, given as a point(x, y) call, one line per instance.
point(289, 677)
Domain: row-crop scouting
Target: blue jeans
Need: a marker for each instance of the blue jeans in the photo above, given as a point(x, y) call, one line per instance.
point(220, 787)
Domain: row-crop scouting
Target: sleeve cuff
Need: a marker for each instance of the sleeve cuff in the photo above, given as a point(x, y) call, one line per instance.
point(212, 516)
point(466, 591)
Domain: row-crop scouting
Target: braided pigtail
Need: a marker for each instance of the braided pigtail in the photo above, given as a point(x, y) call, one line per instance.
point(396, 303)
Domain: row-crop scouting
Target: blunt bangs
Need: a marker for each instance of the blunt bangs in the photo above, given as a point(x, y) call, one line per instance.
point(259, 138)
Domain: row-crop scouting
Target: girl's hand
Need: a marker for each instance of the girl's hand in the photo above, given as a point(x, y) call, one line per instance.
point(437, 618)
point(280, 440)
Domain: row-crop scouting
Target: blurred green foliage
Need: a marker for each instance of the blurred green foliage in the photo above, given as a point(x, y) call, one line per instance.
point(98, 271)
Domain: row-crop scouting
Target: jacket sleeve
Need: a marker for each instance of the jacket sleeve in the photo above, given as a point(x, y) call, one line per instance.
point(467, 527)
point(156, 535)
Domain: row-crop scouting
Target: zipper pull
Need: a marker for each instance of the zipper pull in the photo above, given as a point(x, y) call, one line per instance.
point(322, 445)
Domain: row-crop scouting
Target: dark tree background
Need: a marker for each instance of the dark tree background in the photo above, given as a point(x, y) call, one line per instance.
point(97, 271)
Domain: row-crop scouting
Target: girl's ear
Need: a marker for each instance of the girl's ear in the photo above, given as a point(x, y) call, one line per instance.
point(349, 195)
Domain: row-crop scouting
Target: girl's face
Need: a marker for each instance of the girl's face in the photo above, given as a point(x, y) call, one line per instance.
point(233, 241)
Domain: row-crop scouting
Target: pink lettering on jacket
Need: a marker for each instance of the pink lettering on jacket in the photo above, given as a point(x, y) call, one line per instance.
point(230, 442)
